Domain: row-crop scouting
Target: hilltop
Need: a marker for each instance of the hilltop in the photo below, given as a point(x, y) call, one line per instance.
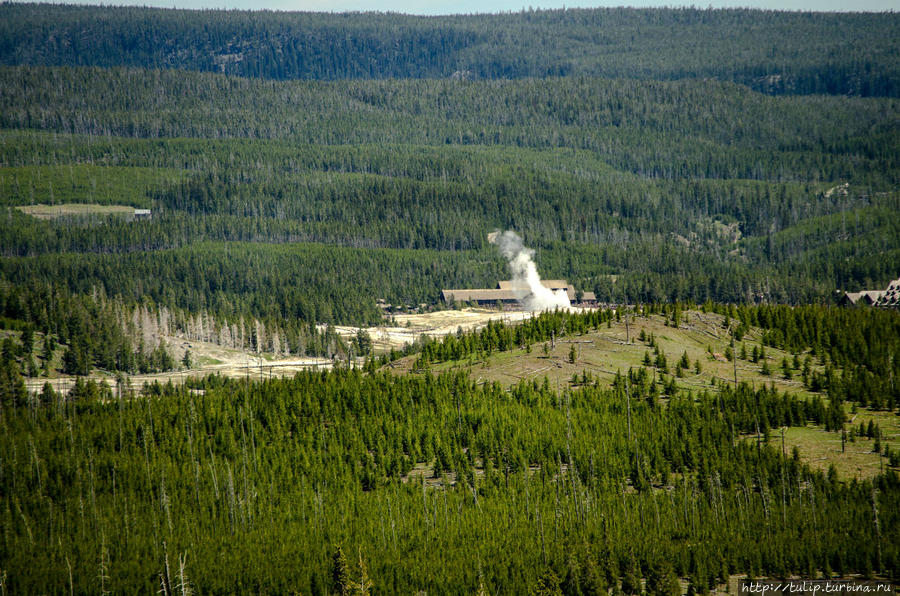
point(776, 52)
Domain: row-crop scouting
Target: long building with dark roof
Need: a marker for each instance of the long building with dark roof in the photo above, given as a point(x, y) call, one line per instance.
point(889, 297)
point(505, 294)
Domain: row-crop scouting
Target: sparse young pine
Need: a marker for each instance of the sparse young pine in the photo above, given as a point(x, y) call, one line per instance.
point(548, 584)
point(340, 572)
point(291, 186)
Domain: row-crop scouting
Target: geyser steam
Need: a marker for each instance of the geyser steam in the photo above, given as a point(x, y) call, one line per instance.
point(526, 283)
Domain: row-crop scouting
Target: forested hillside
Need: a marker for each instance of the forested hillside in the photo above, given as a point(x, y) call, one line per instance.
point(773, 52)
point(312, 483)
point(682, 190)
point(252, 180)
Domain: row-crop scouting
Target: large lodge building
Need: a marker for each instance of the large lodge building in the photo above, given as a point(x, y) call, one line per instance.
point(505, 295)
point(883, 298)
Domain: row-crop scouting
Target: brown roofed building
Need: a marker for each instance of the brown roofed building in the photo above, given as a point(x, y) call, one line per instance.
point(505, 293)
point(479, 296)
point(889, 298)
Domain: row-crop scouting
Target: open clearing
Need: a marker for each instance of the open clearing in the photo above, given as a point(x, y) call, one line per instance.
point(210, 358)
point(74, 210)
point(407, 328)
point(608, 350)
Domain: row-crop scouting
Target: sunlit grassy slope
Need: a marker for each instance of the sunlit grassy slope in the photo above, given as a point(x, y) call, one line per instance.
point(601, 354)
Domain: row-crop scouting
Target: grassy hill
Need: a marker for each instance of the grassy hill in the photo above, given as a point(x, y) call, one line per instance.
point(602, 356)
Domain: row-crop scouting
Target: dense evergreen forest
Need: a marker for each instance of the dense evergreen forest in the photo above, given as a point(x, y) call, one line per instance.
point(298, 167)
point(351, 481)
point(682, 190)
point(770, 51)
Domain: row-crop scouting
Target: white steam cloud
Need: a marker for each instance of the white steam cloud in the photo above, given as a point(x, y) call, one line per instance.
point(526, 283)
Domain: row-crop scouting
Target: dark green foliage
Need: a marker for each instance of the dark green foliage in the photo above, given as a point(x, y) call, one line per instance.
point(547, 585)
point(772, 51)
point(312, 461)
point(12, 386)
point(661, 579)
point(362, 343)
point(864, 343)
point(496, 336)
point(601, 176)
point(94, 329)
point(340, 572)
point(293, 203)
point(631, 576)
point(786, 371)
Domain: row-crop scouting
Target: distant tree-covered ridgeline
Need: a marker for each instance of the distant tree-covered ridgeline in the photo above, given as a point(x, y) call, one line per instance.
point(770, 51)
point(681, 190)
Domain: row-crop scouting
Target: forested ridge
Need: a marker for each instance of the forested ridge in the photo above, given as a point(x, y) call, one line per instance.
point(683, 190)
point(299, 167)
point(770, 51)
point(591, 489)
point(447, 484)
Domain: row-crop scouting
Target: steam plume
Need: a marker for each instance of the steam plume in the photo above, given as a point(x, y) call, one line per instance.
point(526, 283)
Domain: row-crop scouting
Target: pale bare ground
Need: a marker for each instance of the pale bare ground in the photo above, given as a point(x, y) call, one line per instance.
point(211, 358)
point(208, 359)
point(406, 329)
point(70, 209)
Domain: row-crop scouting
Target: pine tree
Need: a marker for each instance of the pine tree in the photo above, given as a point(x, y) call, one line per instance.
point(547, 584)
point(661, 579)
point(631, 577)
point(340, 572)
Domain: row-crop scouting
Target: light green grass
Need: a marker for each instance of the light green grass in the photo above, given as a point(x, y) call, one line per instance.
point(821, 449)
point(74, 210)
point(604, 352)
